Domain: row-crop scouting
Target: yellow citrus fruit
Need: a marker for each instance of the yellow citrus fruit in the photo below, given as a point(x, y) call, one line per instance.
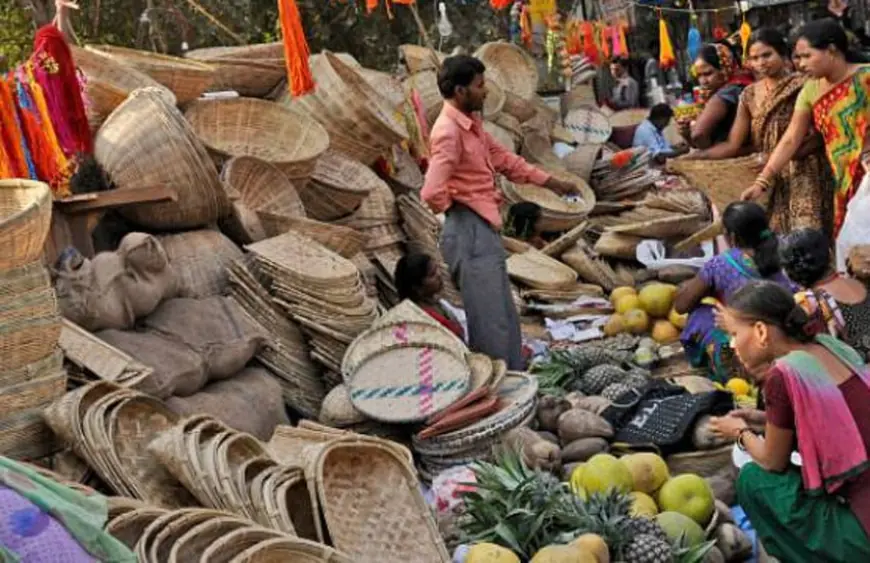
point(619, 292)
point(615, 325)
point(738, 386)
point(626, 303)
point(636, 321)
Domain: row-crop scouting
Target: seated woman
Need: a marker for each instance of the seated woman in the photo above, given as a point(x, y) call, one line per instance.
point(754, 255)
point(522, 223)
point(719, 75)
point(418, 278)
point(817, 394)
point(839, 305)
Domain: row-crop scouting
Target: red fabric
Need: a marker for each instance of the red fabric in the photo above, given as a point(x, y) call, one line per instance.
point(64, 90)
point(296, 52)
point(446, 322)
point(781, 414)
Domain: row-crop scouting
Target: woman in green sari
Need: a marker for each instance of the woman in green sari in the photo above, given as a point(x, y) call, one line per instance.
point(836, 100)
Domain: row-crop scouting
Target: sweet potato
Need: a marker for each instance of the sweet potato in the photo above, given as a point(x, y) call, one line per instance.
point(549, 410)
point(594, 404)
point(535, 451)
point(577, 423)
point(583, 449)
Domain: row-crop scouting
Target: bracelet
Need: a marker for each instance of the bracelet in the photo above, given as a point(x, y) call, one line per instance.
point(741, 443)
point(763, 182)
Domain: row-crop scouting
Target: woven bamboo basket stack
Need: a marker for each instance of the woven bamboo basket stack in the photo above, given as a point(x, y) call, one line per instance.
point(536, 270)
point(110, 427)
point(319, 289)
point(424, 233)
point(31, 365)
point(557, 213)
point(361, 122)
point(622, 175)
point(364, 487)
point(157, 535)
point(286, 352)
point(510, 67)
point(338, 187)
point(405, 368)
point(282, 136)
point(249, 70)
point(425, 83)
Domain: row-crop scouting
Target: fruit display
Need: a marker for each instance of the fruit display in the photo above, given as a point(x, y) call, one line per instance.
point(648, 311)
point(598, 516)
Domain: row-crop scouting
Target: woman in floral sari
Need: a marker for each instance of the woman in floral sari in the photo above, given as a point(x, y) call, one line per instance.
point(802, 195)
point(836, 99)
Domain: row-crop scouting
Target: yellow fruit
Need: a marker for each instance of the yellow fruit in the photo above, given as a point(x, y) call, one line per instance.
point(603, 472)
point(636, 321)
point(563, 554)
point(594, 544)
point(614, 325)
point(619, 292)
point(677, 319)
point(576, 481)
point(627, 303)
point(648, 471)
point(738, 386)
point(656, 299)
point(664, 332)
point(643, 505)
point(490, 553)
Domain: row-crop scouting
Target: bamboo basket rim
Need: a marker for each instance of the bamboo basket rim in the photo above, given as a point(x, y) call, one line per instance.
point(708, 175)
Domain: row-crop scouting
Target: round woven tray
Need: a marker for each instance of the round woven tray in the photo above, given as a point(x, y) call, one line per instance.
point(582, 160)
point(229, 546)
point(481, 370)
point(616, 245)
point(707, 175)
point(418, 57)
point(288, 139)
point(368, 490)
point(408, 383)
point(187, 79)
point(129, 527)
point(588, 125)
point(338, 186)
point(193, 543)
point(146, 142)
point(25, 218)
point(286, 549)
point(337, 409)
point(539, 271)
point(511, 67)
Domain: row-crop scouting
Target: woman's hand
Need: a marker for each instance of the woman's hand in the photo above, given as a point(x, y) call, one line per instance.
point(761, 161)
point(684, 128)
point(728, 426)
point(753, 192)
point(755, 418)
point(560, 186)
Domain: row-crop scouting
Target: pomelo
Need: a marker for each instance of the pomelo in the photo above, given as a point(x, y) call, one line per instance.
point(690, 495)
point(604, 472)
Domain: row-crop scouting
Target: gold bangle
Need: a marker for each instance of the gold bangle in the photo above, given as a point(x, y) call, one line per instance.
point(741, 443)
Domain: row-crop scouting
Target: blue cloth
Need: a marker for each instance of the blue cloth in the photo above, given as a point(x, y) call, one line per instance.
point(646, 135)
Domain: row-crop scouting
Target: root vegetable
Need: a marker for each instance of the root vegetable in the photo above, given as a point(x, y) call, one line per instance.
point(574, 397)
point(577, 423)
point(725, 516)
point(549, 410)
point(714, 556)
point(733, 543)
point(595, 404)
point(536, 452)
point(549, 436)
point(583, 449)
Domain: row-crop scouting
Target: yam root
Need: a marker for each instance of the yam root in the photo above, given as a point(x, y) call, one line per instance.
point(577, 423)
point(595, 404)
point(582, 449)
point(549, 410)
point(535, 451)
point(733, 542)
point(703, 436)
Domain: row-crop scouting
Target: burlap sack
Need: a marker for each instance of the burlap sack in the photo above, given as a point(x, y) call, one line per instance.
point(148, 278)
point(91, 293)
point(178, 370)
point(215, 327)
point(199, 260)
point(249, 402)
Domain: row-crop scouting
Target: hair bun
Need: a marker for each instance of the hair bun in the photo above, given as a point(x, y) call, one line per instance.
point(797, 324)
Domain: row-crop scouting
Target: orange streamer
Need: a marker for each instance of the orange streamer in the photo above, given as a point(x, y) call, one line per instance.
point(296, 51)
point(666, 54)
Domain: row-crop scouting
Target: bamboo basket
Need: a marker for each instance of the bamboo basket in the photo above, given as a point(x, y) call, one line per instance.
point(146, 142)
point(539, 271)
point(616, 245)
point(249, 77)
point(289, 140)
point(291, 549)
point(516, 70)
point(338, 186)
point(261, 187)
point(705, 463)
point(25, 219)
point(501, 135)
point(426, 84)
point(187, 79)
point(29, 318)
point(723, 181)
point(419, 58)
point(588, 125)
point(582, 160)
point(258, 51)
point(108, 82)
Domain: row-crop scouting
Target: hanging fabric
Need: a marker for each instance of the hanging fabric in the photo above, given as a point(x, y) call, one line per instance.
point(614, 39)
point(602, 39)
point(296, 51)
point(526, 26)
point(623, 44)
point(694, 42)
point(719, 31)
point(590, 49)
point(745, 33)
point(667, 60)
point(502, 4)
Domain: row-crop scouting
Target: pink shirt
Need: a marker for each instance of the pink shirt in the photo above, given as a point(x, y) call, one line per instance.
point(463, 162)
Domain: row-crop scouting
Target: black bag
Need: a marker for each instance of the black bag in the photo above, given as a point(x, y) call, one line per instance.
point(663, 414)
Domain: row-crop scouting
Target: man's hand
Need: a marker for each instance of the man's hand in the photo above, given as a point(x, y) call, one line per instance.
point(560, 186)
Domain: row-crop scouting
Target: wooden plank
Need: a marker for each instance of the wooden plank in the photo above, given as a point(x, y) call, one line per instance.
point(85, 203)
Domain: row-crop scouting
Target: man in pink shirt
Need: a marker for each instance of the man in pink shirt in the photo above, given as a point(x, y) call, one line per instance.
point(460, 182)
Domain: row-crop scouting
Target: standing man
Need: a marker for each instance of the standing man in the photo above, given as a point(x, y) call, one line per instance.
point(460, 181)
point(626, 91)
point(649, 134)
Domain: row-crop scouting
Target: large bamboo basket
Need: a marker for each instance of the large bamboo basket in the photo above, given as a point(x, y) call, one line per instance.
point(287, 139)
point(187, 79)
point(722, 180)
point(511, 67)
point(25, 219)
point(419, 58)
point(254, 78)
point(274, 50)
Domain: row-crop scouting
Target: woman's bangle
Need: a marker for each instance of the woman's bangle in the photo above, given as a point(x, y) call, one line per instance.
point(763, 182)
point(741, 442)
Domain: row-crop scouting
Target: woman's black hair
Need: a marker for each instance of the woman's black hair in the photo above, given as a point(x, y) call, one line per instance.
point(709, 53)
point(411, 270)
point(89, 177)
point(772, 304)
point(825, 33)
point(806, 256)
point(772, 38)
point(621, 61)
point(456, 71)
point(522, 218)
point(747, 222)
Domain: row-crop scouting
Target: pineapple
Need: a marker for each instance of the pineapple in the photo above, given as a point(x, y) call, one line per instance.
point(636, 380)
point(644, 526)
point(596, 379)
point(615, 391)
point(648, 549)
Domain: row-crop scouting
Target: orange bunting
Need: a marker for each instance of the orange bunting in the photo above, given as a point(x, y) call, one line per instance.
point(590, 49)
point(667, 59)
point(500, 4)
point(526, 26)
point(621, 159)
point(296, 51)
point(602, 38)
point(623, 44)
point(745, 33)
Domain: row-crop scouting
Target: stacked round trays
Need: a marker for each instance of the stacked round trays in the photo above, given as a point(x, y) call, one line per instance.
point(517, 395)
point(405, 368)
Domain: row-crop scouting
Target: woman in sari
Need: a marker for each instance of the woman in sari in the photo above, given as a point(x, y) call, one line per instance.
point(801, 196)
point(719, 75)
point(754, 255)
point(817, 392)
point(836, 99)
